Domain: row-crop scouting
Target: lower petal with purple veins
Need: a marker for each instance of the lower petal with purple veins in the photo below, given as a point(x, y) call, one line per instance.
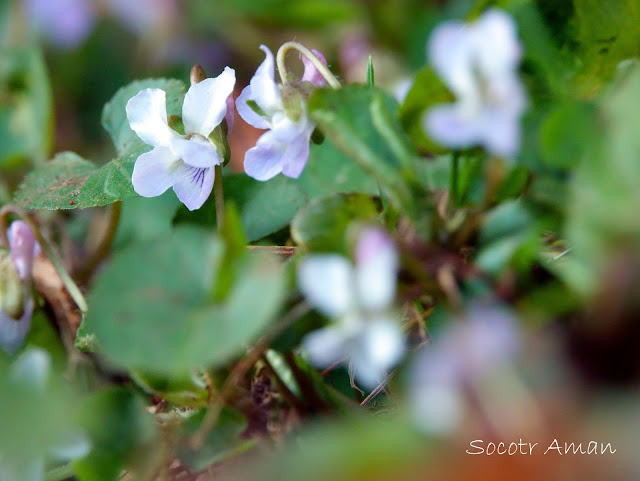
point(192, 185)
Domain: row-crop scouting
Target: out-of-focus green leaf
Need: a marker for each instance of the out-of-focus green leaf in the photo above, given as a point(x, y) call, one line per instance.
point(221, 442)
point(321, 225)
point(71, 182)
point(114, 115)
point(427, 91)
point(26, 115)
point(119, 428)
point(359, 121)
point(165, 320)
point(265, 207)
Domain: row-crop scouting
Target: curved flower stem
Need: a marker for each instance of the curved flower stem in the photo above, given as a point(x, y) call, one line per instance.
point(103, 248)
point(218, 196)
point(332, 81)
point(49, 251)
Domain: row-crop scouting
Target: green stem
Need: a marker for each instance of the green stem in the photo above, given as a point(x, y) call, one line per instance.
point(453, 179)
point(60, 473)
point(49, 251)
point(317, 63)
point(218, 196)
point(104, 247)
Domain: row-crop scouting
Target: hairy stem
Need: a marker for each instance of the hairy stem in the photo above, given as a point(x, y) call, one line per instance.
point(332, 81)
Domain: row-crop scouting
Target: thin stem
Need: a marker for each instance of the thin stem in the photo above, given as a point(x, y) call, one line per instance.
point(218, 196)
point(104, 247)
point(317, 63)
point(49, 251)
point(453, 179)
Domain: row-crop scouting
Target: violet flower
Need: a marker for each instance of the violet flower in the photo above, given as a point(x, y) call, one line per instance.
point(184, 162)
point(360, 299)
point(23, 248)
point(285, 147)
point(479, 63)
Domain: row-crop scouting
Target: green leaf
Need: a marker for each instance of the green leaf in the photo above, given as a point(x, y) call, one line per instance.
point(118, 426)
point(71, 182)
point(114, 115)
point(427, 91)
point(265, 207)
point(165, 320)
point(358, 120)
point(26, 116)
point(322, 225)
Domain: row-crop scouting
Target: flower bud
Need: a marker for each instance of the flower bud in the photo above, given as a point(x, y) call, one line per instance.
point(11, 287)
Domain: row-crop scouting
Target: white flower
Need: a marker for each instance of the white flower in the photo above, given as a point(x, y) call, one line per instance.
point(184, 162)
point(463, 354)
point(479, 63)
point(285, 147)
point(359, 298)
point(23, 248)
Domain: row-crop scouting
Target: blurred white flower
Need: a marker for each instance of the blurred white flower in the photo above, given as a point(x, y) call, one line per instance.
point(284, 148)
point(31, 370)
point(16, 283)
point(360, 299)
point(479, 63)
point(465, 352)
point(184, 162)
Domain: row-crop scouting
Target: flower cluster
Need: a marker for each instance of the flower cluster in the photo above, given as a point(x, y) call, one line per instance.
point(16, 300)
point(359, 298)
point(479, 63)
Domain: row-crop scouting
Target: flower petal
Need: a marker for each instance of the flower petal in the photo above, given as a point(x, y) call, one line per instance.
point(498, 50)
point(311, 73)
point(500, 133)
point(151, 172)
point(12, 332)
point(448, 125)
point(376, 269)
point(297, 153)
point(264, 161)
point(192, 185)
point(378, 348)
point(197, 152)
point(264, 91)
point(32, 369)
point(325, 346)
point(326, 281)
point(23, 247)
point(147, 116)
point(205, 104)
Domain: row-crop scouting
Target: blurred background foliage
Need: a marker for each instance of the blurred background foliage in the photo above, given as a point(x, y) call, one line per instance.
point(556, 234)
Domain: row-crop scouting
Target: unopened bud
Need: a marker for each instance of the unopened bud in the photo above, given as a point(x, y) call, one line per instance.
point(11, 287)
point(197, 74)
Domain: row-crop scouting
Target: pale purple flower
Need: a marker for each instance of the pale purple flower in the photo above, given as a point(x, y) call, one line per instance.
point(311, 73)
point(141, 16)
point(66, 23)
point(466, 351)
point(184, 162)
point(23, 248)
point(285, 147)
point(360, 299)
point(479, 63)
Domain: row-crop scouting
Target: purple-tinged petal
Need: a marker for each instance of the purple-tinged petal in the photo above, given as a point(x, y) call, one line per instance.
point(67, 23)
point(147, 116)
point(311, 73)
point(376, 269)
point(264, 161)
point(192, 185)
point(23, 247)
point(247, 113)
point(197, 152)
point(152, 172)
point(230, 115)
point(326, 280)
point(501, 133)
point(325, 346)
point(448, 125)
point(378, 348)
point(205, 104)
point(13, 332)
point(295, 157)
